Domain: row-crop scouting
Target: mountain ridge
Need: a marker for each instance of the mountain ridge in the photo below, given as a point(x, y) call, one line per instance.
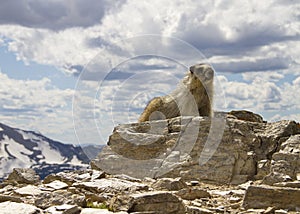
point(23, 148)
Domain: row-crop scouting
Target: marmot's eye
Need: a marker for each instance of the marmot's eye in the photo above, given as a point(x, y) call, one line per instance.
point(209, 73)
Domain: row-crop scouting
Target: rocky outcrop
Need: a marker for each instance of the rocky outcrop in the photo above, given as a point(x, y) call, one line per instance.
point(266, 196)
point(154, 202)
point(285, 165)
point(227, 150)
point(175, 166)
point(123, 194)
point(23, 176)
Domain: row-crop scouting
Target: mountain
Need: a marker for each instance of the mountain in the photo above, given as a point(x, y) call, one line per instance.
point(28, 149)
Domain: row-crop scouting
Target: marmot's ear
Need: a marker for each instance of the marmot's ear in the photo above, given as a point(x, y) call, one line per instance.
point(192, 68)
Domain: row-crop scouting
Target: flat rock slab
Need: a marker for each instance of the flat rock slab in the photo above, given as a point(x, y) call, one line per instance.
point(171, 184)
point(14, 208)
point(112, 185)
point(56, 185)
point(159, 202)
point(64, 209)
point(28, 190)
point(192, 193)
point(98, 211)
point(268, 196)
point(4, 198)
point(23, 176)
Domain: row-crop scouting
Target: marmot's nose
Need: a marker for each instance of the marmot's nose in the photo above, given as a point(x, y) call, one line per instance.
point(192, 68)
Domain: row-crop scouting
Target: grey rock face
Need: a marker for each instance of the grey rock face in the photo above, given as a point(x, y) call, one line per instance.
point(190, 148)
point(23, 176)
point(247, 116)
point(111, 185)
point(13, 208)
point(159, 202)
point(268, 196)
point(169, 184)
point(188, 173)
point(286, 162)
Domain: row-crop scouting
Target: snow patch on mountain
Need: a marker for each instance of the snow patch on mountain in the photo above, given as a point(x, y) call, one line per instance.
point(49, 154)
point(27, 149)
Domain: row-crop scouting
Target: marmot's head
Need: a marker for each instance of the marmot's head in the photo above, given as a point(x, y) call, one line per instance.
point(203, 72)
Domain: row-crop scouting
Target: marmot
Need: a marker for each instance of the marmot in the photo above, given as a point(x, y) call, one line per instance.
point(192, 97)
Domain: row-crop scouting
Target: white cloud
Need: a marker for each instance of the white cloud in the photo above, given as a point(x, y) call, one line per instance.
point(36, 105)
point(271, 76)
point(55, 14)
point(20, 94)
point(296, 82)
point(277, 117)
point(262, 95)
point(235, 36)
point(62, 49)
point(245, 36)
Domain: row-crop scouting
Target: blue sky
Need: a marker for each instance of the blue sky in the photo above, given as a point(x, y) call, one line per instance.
point(51, 51)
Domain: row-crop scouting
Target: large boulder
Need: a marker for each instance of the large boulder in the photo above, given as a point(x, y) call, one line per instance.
point(225, 149)
point(286, 162)
point(247, 116)
point(268, 196)
point(159, 202)
point(23, 176)
point(9, 207)
point(110, 185)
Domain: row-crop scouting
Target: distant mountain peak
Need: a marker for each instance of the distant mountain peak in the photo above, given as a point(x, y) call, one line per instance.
point(28, 149)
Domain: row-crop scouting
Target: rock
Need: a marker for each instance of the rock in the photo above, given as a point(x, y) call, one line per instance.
point(263, 169)
point(98, 211)
point(59, 197)
point(220, 192)
point(74, 176)
point(170, 184)
point(192, 193)
point(4, 198)
point(267, 196)
point(281, 211)
point(272, 136)
point(286, 162)
point(28, 190)
point(198, 210)
point(233, 199)
point(256, 211)
point(269, 210)
point(111, 185)
point(180, 148)
point(276, 177)
point(23, 176)
point(64, 209)
point(194, 183)
point(245, 186)
point(126, 177)
point(56, 185)
point(145, 146)
point(247, 116)
point(193, 173)
point(159, 202)
point(293, 184)
point(14, 208)
point(97, 174)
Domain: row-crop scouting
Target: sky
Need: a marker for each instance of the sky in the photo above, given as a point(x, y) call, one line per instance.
point(74, 69)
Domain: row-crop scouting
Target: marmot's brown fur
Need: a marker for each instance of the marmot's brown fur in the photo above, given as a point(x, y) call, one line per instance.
point(192, 97)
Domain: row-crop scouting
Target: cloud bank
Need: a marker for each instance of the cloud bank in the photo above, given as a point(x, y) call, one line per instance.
point(253, 46)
